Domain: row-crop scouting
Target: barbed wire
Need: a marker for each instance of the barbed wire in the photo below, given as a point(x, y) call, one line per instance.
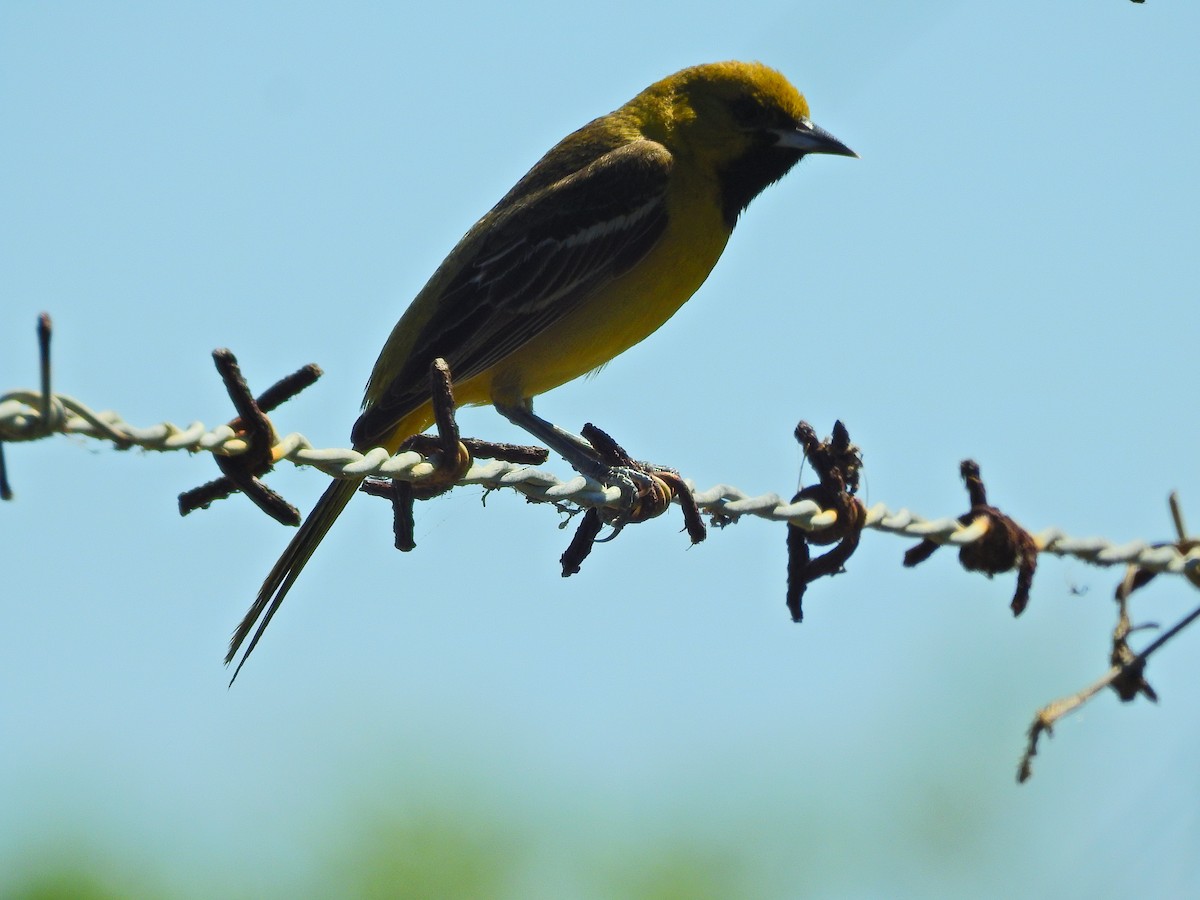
point(823, 514)
point(25, 415)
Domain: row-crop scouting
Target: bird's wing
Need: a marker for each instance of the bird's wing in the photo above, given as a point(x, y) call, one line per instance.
point(534, 262)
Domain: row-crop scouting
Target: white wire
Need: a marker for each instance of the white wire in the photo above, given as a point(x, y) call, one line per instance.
point(21, 420)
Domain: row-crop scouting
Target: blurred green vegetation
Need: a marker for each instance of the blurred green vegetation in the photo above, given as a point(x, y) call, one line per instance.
point(893, 832)
point(434, 855)
point(430, 856)
point(78, 875)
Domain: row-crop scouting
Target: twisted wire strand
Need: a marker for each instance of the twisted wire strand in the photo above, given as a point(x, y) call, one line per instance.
point(21, 419)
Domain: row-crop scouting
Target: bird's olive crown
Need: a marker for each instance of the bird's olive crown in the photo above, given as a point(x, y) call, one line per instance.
point(727, 99)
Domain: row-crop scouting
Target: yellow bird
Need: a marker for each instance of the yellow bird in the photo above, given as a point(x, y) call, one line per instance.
point(595, 248)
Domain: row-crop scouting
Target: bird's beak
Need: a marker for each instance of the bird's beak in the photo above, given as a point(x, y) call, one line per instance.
point(809, 138)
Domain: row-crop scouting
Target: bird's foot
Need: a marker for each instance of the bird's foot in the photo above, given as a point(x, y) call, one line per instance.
point(646, 489)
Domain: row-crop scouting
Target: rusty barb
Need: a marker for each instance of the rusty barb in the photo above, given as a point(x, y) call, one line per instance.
point(243, 472)
point(998, 544)
point(46, 421)
point(450, 454)
point(1126, 674)
point(838, 464)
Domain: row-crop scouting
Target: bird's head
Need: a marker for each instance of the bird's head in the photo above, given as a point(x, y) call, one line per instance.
point(744, 121)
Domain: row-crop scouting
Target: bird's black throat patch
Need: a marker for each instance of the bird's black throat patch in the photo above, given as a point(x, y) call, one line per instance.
point(748, 175)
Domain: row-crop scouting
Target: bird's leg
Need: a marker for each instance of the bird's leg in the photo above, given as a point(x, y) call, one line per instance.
point(566, 444)
point(576, 450)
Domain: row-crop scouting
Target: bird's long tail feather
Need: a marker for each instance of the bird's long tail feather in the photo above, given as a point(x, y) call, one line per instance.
point(289, 566)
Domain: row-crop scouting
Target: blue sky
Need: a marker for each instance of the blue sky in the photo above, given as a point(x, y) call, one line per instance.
point(1008, 273)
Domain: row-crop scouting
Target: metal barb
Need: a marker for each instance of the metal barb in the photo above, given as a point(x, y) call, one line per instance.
point(241, 472)
point(44, 329)
point(837, 463)
point(454, 457)
point(1126, 673)
point(1001, 546)
point(43, 425)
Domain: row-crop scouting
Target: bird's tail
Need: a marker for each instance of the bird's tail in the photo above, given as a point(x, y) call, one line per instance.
point(287, 569)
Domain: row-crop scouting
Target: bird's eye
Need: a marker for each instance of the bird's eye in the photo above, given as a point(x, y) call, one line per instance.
point(747, 112)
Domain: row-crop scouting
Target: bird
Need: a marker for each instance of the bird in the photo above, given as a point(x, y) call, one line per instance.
point(598, 245)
